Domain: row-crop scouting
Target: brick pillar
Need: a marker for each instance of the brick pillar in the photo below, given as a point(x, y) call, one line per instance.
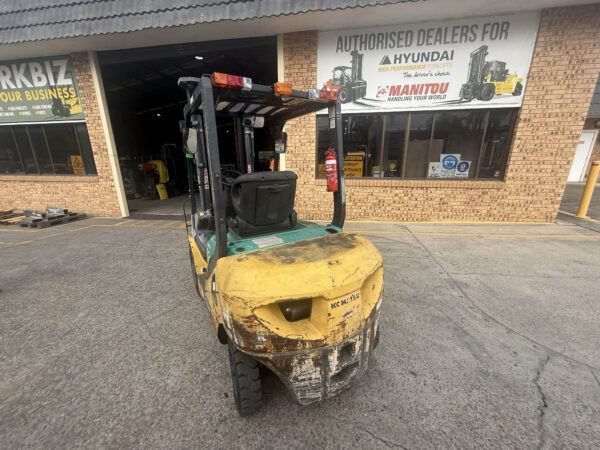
point(562, 77)
point(300, 68)
point(104, 199)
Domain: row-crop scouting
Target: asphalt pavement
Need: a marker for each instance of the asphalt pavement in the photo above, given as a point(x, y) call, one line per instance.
point(489, 339)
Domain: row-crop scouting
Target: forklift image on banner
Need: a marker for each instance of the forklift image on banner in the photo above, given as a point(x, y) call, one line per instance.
point(62, 107)
point(485, 79)
point(348, 86)
point(299, 298)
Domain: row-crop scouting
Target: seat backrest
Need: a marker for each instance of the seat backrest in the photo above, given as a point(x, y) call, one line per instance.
point(264, 198)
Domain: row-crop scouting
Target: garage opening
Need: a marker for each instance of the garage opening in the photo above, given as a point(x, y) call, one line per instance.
point(145, 105)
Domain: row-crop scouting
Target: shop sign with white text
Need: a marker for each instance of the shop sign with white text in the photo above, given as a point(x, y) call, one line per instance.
point(468, 63)
point(39, 90)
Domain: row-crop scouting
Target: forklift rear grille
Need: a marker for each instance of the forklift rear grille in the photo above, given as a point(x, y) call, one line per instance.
point(344, 374)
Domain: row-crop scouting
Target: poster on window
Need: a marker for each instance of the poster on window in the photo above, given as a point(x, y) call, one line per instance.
point(39, 90)
point(466, 63)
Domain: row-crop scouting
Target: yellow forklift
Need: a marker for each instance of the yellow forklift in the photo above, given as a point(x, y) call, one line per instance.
point(299, 298)
point(485, 79)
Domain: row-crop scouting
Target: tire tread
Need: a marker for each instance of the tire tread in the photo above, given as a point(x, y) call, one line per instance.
point(246, 380)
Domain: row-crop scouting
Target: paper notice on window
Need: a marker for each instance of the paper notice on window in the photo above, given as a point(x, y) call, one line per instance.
point(353, 164)
point(77, 164)
point(435, 169)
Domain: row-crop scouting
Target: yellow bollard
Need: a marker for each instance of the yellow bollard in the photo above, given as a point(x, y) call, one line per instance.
point(586, 197)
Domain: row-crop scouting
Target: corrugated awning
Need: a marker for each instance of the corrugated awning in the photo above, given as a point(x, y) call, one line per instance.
point(35, 20)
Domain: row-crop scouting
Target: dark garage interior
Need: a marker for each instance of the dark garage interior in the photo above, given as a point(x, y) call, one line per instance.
point(145, 105)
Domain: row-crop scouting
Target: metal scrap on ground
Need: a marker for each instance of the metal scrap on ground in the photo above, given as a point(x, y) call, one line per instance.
point(51, 216)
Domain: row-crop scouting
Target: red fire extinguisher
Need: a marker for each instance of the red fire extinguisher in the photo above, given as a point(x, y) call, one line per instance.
point(331, 169)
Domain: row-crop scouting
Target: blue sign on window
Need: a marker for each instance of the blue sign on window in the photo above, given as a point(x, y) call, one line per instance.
point(462, 166)
point(449, 162)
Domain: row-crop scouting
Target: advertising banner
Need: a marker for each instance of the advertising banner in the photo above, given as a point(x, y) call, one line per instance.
point(39, 90)
point(467, 63)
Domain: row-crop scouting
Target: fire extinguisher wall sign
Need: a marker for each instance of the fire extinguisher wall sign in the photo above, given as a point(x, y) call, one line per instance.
point(331, 169)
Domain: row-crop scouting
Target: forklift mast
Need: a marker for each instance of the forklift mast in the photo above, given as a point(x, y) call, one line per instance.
point(476, 65)
point(356, 65)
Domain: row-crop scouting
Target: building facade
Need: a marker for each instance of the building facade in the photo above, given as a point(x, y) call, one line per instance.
point(501, 160)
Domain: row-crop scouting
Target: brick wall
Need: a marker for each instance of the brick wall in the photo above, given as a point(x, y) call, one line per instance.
point(563, 73)
point(90, 194)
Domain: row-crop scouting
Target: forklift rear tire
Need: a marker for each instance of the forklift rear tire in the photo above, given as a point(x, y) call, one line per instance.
point(343, 95)
point(518, 89)
point(488, 91)
point(194, 274)
point(247, 388)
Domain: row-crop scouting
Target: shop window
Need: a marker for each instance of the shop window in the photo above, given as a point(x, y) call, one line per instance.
point(445, 144)
point(10, 161)
point(497, 143)
point(25, 150)
point(362, 134)
point(63, 147)
point(456, 144)
point(58, 149)
point(86, 149)
point(373, 144)
point(391, 152)
point(39, 146)
point(419, 139)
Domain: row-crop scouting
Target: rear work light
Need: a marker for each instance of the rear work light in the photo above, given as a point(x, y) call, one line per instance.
point(282, 88)
point(231, 81)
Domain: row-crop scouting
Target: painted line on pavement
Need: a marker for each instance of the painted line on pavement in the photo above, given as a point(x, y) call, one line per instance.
point(501, 235)
point(15, 243)
point(583, 218)
point(168, 224)
point(176, 224)
point(124, 222)
point(144, 224)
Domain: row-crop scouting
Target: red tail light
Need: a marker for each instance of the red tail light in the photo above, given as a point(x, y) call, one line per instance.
point(146, 166)
point(231, 81)
point(327, 95)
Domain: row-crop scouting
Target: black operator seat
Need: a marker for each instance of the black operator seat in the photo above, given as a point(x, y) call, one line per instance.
point(263, 202)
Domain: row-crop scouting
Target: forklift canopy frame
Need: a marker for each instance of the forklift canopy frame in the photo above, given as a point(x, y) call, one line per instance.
point(205, 102)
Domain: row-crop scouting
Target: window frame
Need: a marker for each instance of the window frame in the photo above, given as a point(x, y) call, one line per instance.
point(42, 125)
point(510, 136)
point(16, 144)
